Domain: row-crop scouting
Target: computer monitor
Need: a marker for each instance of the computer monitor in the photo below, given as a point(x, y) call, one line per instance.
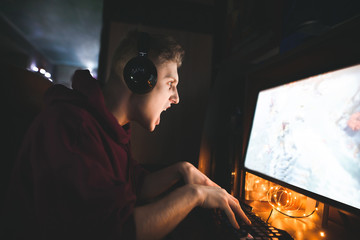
point(301, 119)
point(307, 134)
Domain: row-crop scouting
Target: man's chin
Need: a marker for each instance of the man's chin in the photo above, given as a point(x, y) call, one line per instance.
point(151, 128)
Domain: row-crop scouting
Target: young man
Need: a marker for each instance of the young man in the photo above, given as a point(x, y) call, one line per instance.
point(75, 178)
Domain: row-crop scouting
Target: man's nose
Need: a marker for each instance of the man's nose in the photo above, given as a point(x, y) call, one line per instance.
point(175, 99)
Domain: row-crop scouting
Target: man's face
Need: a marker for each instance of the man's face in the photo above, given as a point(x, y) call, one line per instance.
point(148, 107)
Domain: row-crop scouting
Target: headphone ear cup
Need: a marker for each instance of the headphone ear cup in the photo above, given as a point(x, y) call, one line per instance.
point(140, 75)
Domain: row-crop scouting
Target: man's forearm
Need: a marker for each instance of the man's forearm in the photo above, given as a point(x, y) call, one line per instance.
point(155, 220)
point(160, 181)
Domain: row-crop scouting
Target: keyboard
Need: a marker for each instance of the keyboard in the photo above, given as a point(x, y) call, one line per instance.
point(258, 230)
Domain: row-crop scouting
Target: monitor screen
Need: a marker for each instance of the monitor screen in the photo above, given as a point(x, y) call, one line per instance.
point(306, 134)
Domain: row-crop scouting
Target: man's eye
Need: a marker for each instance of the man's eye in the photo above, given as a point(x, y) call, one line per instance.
point(170, 84)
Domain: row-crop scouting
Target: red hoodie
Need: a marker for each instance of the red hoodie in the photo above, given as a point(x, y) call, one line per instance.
point(74, 177)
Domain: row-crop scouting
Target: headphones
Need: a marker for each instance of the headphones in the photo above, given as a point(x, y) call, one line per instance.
point(140, 72)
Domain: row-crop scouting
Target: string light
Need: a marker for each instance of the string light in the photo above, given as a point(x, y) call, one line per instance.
point(287, 202)
point(283, 200)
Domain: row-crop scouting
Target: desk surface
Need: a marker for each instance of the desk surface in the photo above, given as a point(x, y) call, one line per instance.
point(304, 228)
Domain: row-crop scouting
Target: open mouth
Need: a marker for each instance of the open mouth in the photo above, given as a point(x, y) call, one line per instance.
point(164, 110)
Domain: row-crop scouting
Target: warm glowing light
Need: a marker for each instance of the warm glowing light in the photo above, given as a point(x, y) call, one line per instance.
point(322, 234)
point(282, 199)
point(233, 173)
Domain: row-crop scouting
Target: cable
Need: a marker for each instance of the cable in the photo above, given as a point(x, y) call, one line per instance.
point(269, 215)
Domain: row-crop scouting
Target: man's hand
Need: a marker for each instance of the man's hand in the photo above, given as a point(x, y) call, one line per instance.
point(215, 197)
point(212, 194)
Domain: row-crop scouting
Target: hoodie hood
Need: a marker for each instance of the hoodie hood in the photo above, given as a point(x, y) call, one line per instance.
point(86, 93)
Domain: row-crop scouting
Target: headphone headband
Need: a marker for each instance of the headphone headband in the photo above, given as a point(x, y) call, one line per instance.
point(143, 43)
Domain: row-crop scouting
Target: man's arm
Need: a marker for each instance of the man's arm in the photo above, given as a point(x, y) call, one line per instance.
point(158, 182)
point(156, 220)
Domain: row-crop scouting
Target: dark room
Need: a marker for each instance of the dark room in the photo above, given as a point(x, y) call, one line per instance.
point(180, 119)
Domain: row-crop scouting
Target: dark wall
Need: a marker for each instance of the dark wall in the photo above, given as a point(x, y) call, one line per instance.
point(21, 100)
point(189, 16)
